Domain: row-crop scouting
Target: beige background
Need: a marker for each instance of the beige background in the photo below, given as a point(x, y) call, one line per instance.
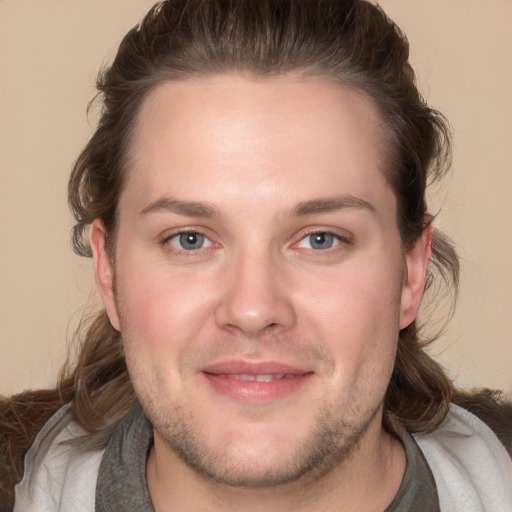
point(49, 53)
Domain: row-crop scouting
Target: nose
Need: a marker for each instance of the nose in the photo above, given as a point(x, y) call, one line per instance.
point(256, 298)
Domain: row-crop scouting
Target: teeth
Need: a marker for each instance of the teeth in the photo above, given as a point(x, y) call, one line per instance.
point(256, 378)
point(268, 378)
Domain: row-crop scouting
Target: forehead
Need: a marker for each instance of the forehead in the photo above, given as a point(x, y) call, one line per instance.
point(301, 137)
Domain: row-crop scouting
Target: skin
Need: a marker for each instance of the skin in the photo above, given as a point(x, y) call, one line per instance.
point(266, 171)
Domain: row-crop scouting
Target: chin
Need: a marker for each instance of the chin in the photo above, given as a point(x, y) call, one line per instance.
point(262, 457)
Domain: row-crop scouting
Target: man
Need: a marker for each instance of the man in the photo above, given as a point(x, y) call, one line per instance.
point(255, 200)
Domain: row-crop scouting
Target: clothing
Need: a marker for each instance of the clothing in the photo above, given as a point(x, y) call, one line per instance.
point(462, 466)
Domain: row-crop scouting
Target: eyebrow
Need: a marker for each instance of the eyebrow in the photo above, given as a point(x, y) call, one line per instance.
point(302, 209)
point(187, 208)
point(330, 204)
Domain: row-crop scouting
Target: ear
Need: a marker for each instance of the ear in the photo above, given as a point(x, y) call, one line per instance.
point(103, 271)
point(417, 259)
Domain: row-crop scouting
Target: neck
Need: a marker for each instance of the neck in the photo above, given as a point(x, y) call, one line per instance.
point(366, 481)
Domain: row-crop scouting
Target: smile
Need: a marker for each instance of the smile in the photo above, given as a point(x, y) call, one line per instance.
point(257, 383)
point(257, 378)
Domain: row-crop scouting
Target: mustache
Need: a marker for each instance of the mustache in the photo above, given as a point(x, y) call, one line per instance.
point(287, 349)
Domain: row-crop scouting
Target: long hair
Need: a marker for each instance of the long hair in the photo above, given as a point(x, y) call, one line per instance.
point(349, 41)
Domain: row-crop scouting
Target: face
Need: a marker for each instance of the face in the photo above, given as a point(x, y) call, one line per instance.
point(260, 280)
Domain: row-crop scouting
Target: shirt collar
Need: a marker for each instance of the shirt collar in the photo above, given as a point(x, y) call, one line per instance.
point(122, 484)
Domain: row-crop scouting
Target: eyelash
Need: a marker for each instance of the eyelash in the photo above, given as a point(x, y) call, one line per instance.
point(166, 241)
point(338, 240)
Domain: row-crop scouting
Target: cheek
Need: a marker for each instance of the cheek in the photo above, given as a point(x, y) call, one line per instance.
point(356, 314)
point(161, 317)
point(162, 311)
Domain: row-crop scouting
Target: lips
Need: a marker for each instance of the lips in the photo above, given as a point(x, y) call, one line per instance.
point(257, 378)
point(256, 382)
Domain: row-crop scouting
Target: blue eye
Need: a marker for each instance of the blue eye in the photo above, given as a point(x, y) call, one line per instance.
point(320, 241)
point(190, 241)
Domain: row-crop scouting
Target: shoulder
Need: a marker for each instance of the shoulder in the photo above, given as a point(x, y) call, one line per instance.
point(58, 474)
point(21, 418)
point(470, 464)
point(493, 408)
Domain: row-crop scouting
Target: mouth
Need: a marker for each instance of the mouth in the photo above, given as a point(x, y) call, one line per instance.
point(255, 382)
point(257, 378)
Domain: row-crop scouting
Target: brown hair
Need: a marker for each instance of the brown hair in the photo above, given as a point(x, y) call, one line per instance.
point(349, 41)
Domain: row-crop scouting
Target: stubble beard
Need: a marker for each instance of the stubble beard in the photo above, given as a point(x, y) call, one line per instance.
point(328, 445)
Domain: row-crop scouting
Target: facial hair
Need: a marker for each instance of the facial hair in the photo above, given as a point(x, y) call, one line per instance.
point(329, 443)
